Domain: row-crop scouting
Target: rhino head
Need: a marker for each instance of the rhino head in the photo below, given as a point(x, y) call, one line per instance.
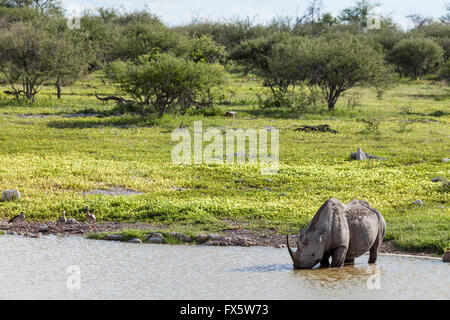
point(310, 248)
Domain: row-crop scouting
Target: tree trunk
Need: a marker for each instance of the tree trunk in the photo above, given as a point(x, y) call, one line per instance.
point(58, 87)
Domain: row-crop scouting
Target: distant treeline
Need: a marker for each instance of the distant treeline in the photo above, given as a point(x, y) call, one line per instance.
point(38, 45)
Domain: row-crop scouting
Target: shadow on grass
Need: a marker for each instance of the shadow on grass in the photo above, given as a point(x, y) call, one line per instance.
point(124, 122)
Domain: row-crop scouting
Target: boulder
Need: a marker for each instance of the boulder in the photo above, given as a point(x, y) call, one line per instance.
point(8, 195)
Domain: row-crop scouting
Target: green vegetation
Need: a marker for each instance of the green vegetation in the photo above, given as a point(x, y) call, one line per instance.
point(315, 69)
point(54, 159)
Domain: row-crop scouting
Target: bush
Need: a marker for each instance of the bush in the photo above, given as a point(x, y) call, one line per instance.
point(444, 74)
point(416, 57)
point(166, 83)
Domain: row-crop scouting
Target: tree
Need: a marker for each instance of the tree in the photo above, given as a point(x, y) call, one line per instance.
point(336, 65)
point(359, 14)
point(42, 5)
point(271, 58)
point(27, 58)
point(416, 57)
point(70, 61)
point(164, 81)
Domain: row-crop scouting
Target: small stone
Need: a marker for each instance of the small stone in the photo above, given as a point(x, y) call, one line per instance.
point(9, 195)
point(280, 246)
point(437, 179)
point(215, 237)
point(418, 203)
point(201, 238)
point(446, 257)
point(445, 160)
point(71, 221)
point(113, 237)
point(44, 228)
point(135, 240)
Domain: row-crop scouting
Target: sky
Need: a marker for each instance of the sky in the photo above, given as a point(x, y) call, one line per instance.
point(177, 12)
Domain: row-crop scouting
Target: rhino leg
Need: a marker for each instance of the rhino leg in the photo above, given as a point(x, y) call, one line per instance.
point(338, 257)
point(349, 261)
point(374, 250)
point(325, 263)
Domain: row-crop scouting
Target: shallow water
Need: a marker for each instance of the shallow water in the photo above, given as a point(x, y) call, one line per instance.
point(38, 269)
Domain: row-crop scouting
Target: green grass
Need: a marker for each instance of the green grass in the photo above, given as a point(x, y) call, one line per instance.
point(52, 160)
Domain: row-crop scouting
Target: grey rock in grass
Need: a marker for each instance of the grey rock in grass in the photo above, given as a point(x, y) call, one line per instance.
point(9, 195)
point(135, 240)
point(113, 237)
point(437, 179)
point(44, 228)
point(446, 257)
point(418, 203)
point(360, 155)
point(445, 160)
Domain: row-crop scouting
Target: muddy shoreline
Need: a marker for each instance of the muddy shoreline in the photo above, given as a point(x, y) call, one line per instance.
point(230, 237)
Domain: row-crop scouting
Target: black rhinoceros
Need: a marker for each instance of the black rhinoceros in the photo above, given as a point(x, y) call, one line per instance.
point(340, 231)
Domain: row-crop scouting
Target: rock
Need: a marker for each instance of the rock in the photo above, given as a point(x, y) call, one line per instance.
point(71, 221)
point(44, 228)
point(215, 237)
point(113, 237)
point(445, 160)
point(446, 257)
point(135, 240)
point(280, 246)
point(418, 203)
point(182, 237)
point(156, 238)
point(231, 114)
point(437, 179)
point(360, 155)
point(201, 238)
point(8, 195)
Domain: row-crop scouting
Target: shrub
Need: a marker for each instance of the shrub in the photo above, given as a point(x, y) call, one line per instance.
point(165, 82)
point(416, 57)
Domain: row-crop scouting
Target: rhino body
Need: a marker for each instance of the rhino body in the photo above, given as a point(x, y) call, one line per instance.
point(340, 231)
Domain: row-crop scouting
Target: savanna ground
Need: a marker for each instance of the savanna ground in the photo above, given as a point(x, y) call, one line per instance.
point(54, 156)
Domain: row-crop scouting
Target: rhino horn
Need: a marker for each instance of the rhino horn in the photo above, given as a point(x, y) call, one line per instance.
point(291, 252)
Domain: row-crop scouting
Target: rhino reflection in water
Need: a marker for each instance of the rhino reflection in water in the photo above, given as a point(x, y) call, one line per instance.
point(340, 231)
